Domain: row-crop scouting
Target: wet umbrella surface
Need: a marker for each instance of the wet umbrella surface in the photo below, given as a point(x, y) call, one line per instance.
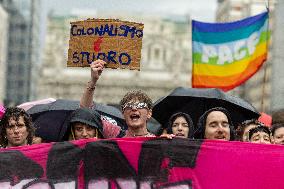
point(52, 120)
point(196, 101)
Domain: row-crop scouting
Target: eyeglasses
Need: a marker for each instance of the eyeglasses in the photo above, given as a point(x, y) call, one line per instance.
point(132, 105)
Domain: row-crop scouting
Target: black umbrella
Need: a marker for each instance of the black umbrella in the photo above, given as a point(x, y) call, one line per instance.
point(52, 120)
point(196, 101)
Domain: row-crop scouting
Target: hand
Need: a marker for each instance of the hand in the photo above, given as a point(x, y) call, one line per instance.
point(97, 68)
point(167, 136)
point(37, 140)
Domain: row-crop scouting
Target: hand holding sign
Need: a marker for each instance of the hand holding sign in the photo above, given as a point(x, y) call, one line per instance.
point(97, 68)
point(116, 42)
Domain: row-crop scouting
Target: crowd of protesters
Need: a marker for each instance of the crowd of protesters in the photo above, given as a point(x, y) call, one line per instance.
point(16, 127)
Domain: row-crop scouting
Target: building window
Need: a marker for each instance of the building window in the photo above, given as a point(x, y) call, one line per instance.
point(162, 28)
point(237, 8)
point(21, 56)
point(149, 54)
point(10, 56)
point(21, 83)
point(165, 55)
point(22, 41)
point(22, 27)
point(157, 53)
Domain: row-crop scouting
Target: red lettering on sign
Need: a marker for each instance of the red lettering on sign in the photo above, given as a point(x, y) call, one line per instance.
point(97, 44)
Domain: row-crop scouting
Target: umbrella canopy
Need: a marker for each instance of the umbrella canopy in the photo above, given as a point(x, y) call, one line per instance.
point(195, 102)
point(52, 120)
point(28, 105)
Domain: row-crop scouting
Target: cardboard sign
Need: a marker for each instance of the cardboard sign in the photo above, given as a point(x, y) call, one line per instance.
point(116, 42)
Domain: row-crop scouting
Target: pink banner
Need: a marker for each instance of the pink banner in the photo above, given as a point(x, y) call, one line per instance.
point(145, 163)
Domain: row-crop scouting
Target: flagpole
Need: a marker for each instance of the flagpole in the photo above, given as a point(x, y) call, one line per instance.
point(265, 65)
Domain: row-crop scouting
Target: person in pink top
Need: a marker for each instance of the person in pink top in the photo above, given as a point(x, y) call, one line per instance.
point(136, 108)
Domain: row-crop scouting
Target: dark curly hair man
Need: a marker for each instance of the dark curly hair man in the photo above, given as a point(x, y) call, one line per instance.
point(16, 128)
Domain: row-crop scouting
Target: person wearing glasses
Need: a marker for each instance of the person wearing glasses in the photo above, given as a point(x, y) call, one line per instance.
point(137, 110)
point(136, 107)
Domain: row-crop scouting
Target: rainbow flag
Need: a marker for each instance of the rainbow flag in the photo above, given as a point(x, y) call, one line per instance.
point(225, 55)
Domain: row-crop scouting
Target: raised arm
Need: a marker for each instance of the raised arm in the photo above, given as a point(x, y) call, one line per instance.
point(88, 94)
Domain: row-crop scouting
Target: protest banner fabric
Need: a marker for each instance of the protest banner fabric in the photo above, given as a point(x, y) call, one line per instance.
point(145, 163)
point(225, 55)
point(116, 42)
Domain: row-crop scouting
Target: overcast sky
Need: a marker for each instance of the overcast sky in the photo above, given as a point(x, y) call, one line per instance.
point(203, 10)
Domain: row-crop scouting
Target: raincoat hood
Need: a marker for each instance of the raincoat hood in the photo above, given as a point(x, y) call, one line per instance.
point(87, 116)
point(200, 131)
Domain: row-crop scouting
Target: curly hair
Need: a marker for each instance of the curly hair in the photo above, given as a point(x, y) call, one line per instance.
point(137, 95)
point(241, 128)
point(261, 128)
point(16, 113)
